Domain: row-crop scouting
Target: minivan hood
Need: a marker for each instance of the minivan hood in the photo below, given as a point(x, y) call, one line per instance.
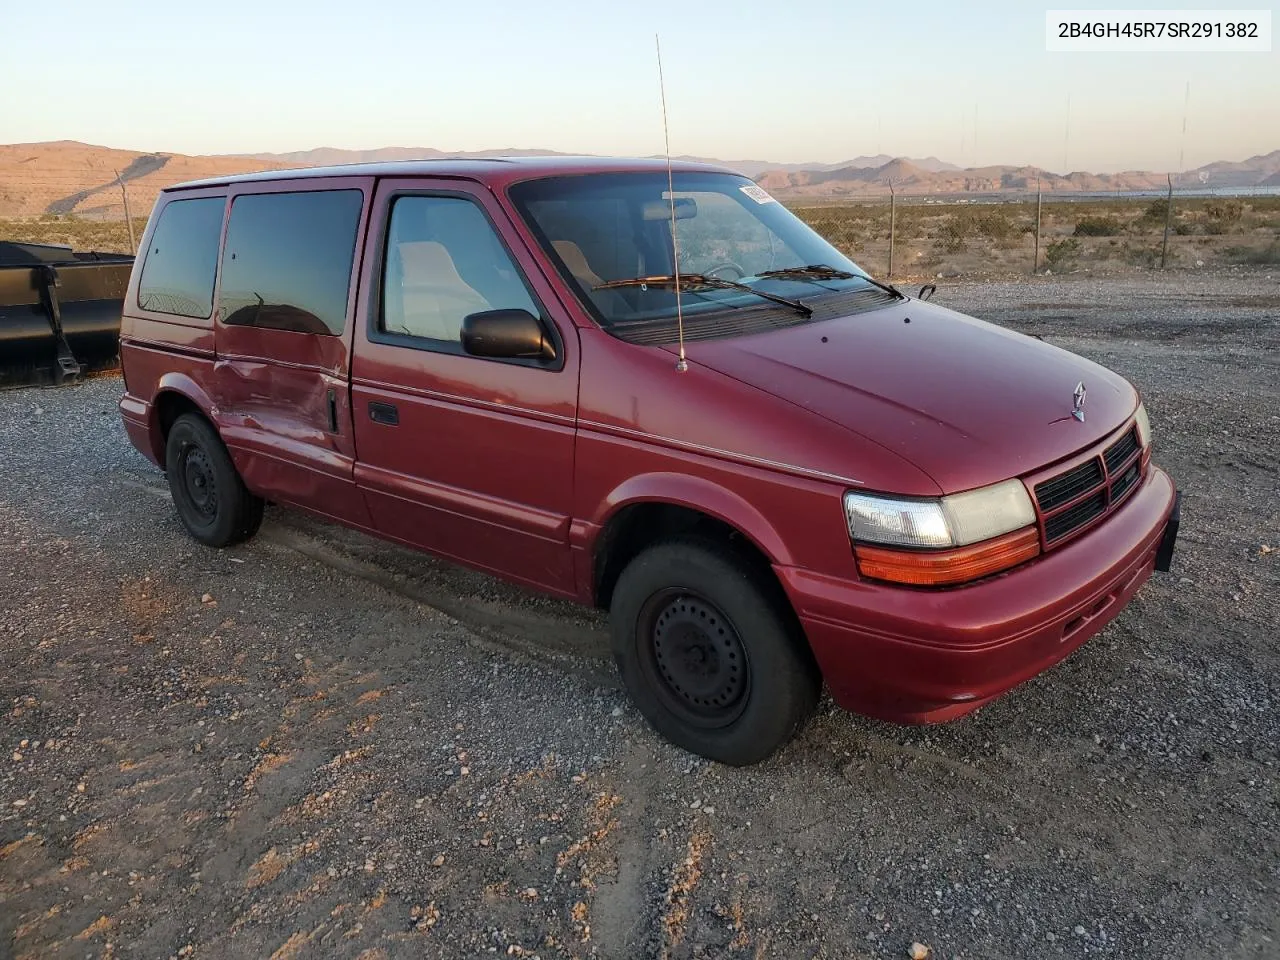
point(966, 401)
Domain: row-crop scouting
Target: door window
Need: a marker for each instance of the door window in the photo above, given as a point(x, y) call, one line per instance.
point(287, 262)
point(443, 261)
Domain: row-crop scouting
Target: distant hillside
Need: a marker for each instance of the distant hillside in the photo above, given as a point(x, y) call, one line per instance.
point(909, 177)
point(756, 168)
point(322, 156)
point(70, 177)
point(1224, 173)
point(67, 177)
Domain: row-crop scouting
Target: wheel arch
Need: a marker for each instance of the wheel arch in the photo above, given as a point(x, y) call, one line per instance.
point(654, 507)
point(176, 394)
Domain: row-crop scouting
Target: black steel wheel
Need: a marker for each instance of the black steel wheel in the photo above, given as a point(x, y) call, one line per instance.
point(199, 481)
point(693, 657)
point(710, 652)
point(207, 491)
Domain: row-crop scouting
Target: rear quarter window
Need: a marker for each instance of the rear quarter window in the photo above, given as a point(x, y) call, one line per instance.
point(287, 261)
point(182, 258)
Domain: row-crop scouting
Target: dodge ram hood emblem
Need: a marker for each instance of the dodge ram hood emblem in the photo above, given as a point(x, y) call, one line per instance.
point(1077, 397)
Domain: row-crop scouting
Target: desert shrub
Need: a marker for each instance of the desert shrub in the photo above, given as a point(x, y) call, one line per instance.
point(847, 228)
point(1257, 256)
point(928, 260)
point(1184, 228)
point(995, 225)
point(1097, 227)
point(1224, 211)
point(954, 230)
point(1061, 253)
point(1144, 256)
point(1156, 210)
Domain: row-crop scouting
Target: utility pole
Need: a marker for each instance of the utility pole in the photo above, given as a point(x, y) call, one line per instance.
point(1168, 217)
point(133, 243)
point(1035, 257)
point(893, 209)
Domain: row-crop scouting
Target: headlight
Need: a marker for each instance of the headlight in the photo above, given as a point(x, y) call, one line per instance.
point(1144, 427)
point(948, 540)
point(954, 521)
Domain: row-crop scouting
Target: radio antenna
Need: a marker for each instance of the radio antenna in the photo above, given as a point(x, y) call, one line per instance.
point(682, 364)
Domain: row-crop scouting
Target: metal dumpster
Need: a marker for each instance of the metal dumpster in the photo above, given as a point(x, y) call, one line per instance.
point(59, 312)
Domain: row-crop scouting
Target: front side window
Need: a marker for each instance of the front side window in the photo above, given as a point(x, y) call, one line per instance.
point(287, 262)
point(608, 231)
point(182, 258)
point(443, 262)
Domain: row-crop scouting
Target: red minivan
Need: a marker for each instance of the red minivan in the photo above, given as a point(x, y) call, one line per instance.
point(771, 468)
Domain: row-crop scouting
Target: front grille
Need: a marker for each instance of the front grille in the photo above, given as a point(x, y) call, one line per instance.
point(1077, 497)
point(1067, 486)
point(1121, 450)
point(1060, 524)
point(1124, 483)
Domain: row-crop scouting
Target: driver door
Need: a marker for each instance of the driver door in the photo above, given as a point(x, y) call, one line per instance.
point(470, 458)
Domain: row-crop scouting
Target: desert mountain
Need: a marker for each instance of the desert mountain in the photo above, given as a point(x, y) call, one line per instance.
point(909, 178)
point(1225, 173)
point(68, 177)
point(751, 168)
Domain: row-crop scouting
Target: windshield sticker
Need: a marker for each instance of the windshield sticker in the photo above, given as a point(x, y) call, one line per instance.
point(757, 194)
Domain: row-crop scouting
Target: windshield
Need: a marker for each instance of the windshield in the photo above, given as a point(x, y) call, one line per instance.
point(603, 230)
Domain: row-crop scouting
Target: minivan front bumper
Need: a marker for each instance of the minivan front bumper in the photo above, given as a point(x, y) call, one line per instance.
point(926, 655)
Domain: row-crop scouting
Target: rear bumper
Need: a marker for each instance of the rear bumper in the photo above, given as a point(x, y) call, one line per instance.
point(923, 656)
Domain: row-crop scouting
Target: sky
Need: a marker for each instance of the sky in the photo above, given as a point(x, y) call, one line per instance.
point(824, 81)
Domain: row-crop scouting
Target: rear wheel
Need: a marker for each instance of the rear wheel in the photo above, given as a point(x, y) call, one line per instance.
point(210, 497)
point(709, 652)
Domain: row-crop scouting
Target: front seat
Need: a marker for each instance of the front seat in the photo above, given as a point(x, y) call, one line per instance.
point(434, 298)
point(576, 261)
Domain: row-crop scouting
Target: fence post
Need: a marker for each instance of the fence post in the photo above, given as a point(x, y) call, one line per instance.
point(1168, 217)
point(133, 244)
point(1035, 257)
point(893, 211)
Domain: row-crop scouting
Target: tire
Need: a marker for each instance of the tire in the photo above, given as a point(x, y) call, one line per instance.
point(710, 653)
point(207, 491)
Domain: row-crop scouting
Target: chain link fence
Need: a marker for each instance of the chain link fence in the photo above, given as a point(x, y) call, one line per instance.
point(949, 237)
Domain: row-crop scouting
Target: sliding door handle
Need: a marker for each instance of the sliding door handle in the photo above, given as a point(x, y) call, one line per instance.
point(384, 413)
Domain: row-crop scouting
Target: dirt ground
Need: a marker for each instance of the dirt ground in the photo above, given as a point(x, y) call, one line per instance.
point(319, 745)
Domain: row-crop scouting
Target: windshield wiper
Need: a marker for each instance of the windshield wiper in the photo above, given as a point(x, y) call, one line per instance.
point(815, 271)
point(820, 271)
point(696, 280)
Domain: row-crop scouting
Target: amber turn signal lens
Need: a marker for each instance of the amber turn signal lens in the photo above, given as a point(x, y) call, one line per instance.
point(936, 568)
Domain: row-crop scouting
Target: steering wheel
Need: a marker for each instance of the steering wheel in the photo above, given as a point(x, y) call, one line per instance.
point(714, 270)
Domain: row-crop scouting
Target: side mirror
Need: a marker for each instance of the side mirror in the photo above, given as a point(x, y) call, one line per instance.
point(507, 334)
point(926, 291)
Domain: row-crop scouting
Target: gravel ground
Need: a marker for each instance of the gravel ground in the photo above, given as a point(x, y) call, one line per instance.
point(320, 745)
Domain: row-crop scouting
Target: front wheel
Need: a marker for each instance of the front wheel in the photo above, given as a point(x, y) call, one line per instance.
point(709, 653)
point(210, 497)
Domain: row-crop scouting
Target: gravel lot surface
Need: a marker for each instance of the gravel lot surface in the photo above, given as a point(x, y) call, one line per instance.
point(320, 745)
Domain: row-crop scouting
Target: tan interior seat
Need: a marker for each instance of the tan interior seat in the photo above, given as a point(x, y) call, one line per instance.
point(434, 297)
point(576, 261)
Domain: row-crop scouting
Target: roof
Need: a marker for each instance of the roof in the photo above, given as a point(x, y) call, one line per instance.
point(494, 170)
